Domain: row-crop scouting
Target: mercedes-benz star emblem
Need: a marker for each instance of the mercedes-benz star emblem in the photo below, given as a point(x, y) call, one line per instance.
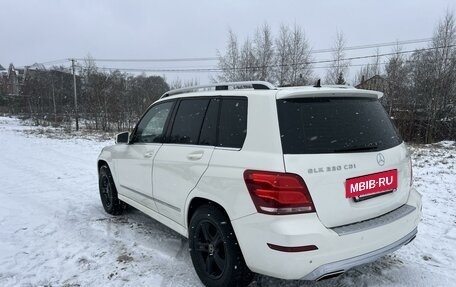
point(380, 159)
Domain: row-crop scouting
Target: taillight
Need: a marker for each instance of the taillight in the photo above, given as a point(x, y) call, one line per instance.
point(278, 193)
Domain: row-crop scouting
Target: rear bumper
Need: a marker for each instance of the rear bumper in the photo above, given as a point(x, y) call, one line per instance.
point(337, 252)
point(345, 264)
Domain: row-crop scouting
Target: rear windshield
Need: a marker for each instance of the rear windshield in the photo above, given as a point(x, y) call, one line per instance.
point(334, 125)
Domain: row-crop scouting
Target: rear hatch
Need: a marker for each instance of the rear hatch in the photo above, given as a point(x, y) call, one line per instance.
point(349, 154)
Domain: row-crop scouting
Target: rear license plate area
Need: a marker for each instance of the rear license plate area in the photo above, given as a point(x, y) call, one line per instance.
point(371, 185)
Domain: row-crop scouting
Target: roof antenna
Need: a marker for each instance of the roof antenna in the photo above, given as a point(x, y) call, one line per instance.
point(317, 85)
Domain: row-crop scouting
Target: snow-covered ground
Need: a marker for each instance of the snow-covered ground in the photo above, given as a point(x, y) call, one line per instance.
point(54, 231)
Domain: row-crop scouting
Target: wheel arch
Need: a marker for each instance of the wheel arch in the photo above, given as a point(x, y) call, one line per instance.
point(100, 163)
point(196, 202)
point(240, 274)
point(105, 158)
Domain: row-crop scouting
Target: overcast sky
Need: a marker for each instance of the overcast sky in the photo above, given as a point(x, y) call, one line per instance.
point(45, 30)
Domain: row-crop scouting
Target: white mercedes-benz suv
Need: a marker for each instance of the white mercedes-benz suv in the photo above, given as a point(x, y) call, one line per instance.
point(294, 183)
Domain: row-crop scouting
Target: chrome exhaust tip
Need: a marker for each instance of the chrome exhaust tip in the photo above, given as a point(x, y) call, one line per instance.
point(330, 275)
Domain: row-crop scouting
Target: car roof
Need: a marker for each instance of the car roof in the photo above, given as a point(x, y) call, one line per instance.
point(260, 88)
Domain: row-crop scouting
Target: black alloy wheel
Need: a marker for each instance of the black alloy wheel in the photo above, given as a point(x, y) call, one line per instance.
point(211, 250)
point(105, 191)
point(214, 249)
point(108, 192)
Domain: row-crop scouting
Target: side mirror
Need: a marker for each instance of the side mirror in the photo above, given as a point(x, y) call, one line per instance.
point(122, 137)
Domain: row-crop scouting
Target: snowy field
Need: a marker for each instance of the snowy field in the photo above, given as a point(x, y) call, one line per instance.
point(54, 231)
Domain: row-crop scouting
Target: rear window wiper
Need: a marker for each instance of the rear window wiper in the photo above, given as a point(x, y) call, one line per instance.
point(357, 148)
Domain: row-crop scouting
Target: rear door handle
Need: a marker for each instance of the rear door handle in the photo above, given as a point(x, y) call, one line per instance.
point(149, 154)
point(195, 155)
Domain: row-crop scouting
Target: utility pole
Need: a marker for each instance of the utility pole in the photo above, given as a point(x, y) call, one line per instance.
point(75, 96)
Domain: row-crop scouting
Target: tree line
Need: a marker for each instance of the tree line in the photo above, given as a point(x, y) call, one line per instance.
point(107, 100)
point(419, 86)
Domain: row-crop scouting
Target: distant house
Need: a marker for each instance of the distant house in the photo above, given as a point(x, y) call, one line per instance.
point(12, 80)
point(396, 104)
point(376, 83)
point(36, 66)
point(3, 80)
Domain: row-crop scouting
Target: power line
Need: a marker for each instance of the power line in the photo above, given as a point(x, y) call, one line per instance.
point(369, 46)
point(54, 62)
point(214, 69)
point(200, 59)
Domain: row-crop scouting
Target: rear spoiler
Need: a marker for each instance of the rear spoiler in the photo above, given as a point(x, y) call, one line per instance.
point(330, 93)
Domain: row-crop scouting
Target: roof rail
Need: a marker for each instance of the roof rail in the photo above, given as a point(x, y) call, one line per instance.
point(256, 85)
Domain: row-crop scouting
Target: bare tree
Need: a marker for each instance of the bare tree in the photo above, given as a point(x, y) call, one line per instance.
point(248, 63)
point(299, 58)
point(291, 64)
point(338, 70)
point(282, 55)
point(369, 70)
point(264, 53)
point(376, 66)
point(397, 75)
point(178, 83)
point(293, 57)
point(229, 62)
point(441, 63)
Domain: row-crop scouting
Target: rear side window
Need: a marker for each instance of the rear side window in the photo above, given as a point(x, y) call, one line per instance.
point(188, 121)
point(208, 134)
point(233, 123)
point(334, 125)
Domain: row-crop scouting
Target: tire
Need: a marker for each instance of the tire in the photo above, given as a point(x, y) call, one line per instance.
point(108, 192)
point(214, 249)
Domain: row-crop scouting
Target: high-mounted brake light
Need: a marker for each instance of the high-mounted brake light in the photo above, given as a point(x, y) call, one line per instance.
point(278, 193)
